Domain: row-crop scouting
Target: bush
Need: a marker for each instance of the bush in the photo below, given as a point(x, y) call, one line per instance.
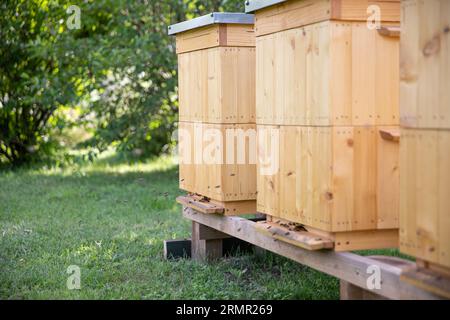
point(118, 71)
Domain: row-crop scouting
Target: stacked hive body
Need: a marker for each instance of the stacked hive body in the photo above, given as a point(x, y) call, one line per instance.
point(216, 69)
point(328, 85)
point(425, 121)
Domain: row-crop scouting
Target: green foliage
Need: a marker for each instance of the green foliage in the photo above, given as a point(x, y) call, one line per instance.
point(35, 78)
point(135, 88)
point(115, 76)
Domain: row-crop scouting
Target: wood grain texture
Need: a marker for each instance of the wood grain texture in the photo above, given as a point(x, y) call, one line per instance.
point(204, 168)
point(217, 35)
point(334, 179)
point(204, 250)
point(425, 204)
point(356, 10)
point(342, 265)
point(298, 13)
point(425, 116)
point(217, 85)
point(329, 73)
point(428, 280)
point(291, 14)
point(425, 64)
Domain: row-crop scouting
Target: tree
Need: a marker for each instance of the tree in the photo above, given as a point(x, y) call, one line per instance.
point(34, 80)
point(118, 69)
point(137, 105)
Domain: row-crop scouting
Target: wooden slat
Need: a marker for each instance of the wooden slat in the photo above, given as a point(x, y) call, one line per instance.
point(237, 89)
point(237, 35)
point(366, 240)
point(390, 134)
point(217, 85)
point(177, 249)
point(365, 155)
point(328, 73)
point(348, 291)
point(388, 174)
point(204, 207)
point(387, 31)
point(346, 266)
point(302, 239)
point(206, 233)
point(425, 64)
point(291, 14)
point(234, 182)
point(234, 208)
point(356, 10)
point(299, 13)
point(218, 35)
point(424, 185)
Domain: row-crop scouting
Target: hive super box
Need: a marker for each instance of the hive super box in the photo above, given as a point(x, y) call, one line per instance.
point(328, 81)
point(425, 121)
point(216, 71)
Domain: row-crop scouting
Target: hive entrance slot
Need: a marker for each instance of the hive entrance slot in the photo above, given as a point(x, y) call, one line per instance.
point(295, 235)
point(201, 204)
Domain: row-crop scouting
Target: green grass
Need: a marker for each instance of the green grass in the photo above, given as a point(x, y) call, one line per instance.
point(110, 219)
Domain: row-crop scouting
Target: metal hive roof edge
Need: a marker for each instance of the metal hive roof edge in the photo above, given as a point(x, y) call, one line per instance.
point(209, 19)
point(254, 5)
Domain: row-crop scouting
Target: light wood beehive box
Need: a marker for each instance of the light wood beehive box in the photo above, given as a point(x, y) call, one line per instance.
point(216, 72)
point(425, 120)
point(330, 85)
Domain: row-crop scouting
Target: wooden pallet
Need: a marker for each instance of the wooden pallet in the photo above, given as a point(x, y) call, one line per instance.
point(350, 268)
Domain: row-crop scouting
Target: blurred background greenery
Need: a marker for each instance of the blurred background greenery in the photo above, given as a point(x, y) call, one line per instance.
point(67, 95)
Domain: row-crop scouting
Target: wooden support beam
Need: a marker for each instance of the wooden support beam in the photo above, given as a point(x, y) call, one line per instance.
point(390, 31)
point(204, 250)
point(346, 266)
point(349, 291)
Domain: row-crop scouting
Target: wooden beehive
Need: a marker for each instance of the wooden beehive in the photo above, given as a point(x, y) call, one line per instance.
point(330, 85)
point(215, 178)
point(319, 64)
point(216, 71)
point(425, 120)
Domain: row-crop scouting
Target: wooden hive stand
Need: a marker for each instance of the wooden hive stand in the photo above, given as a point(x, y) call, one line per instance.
point(210, 230)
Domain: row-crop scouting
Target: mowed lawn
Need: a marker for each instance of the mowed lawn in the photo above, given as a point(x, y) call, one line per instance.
point(110, 219)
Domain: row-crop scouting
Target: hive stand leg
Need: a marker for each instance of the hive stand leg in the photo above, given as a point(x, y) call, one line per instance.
point(207, 243)
point(349, 291)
